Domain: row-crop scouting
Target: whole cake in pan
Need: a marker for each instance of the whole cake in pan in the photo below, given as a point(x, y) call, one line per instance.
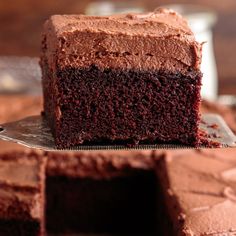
point(126, 78)
point(131, 193)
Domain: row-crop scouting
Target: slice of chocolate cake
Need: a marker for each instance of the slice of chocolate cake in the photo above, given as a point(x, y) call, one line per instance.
point(22, 194)
point(199, 191)
point(124, 78)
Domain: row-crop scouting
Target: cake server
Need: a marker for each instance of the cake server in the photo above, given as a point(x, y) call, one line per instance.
point(33, 132)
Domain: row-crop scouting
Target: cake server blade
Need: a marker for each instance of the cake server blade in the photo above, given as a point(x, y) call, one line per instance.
point(33, 132)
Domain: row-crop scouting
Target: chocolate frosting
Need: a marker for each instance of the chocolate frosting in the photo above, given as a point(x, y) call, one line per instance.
point(200, 191)
point(98, 164)
point(19, 173)
point(22, 171)
point(152, 41)
point(22, 185)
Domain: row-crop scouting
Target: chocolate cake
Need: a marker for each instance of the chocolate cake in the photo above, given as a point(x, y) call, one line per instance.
point(126, 193)
point(22, 194)
point(121, 79)
point(199, 191)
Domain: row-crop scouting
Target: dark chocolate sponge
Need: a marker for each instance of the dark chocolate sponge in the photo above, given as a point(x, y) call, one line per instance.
point(112, 106)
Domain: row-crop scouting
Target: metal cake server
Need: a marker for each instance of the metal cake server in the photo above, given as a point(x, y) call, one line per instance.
point(33, 132)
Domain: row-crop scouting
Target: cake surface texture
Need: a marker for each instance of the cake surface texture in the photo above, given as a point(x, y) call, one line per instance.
point(22, 177)
point(126, 78)
point(199, 191)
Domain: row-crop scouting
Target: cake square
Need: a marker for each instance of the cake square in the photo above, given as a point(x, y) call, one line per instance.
point(22, 193)
point(199, 191)
point(126, 78)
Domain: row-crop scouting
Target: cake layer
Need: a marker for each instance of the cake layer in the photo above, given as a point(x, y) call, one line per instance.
point(98, 164)
point(199, 191)
point(20, 179)
point(157, 40)
point(22, 193)
point(91, 105)
point(119, 205)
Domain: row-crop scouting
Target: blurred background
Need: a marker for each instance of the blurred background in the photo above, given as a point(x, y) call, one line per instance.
point(21, 24)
